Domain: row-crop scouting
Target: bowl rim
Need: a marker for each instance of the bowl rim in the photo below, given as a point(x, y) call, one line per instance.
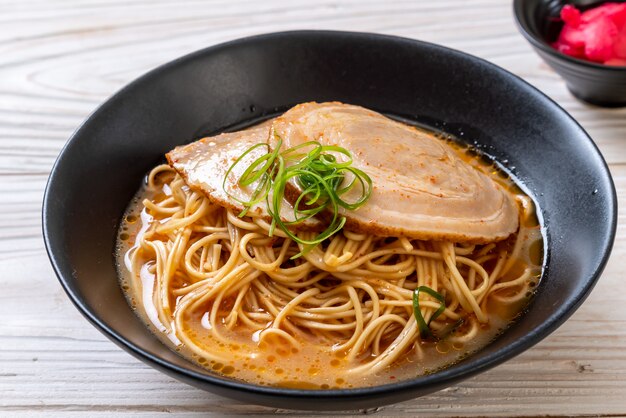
point(539, 43)
point(438, 380)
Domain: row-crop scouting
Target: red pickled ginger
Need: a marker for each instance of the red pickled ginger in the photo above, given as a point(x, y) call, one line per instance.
point(597, 35)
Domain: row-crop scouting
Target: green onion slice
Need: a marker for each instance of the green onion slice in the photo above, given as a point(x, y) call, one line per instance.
point(322, 177)
point(423, 326)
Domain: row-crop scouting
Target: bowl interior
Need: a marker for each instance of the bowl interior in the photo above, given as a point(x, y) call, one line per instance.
point(103, 164)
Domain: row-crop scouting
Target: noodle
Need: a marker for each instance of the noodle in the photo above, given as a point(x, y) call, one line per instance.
point(350, 296)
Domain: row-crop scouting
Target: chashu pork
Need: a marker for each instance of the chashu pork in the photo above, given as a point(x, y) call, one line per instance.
point(421, 187)
point(203, 165)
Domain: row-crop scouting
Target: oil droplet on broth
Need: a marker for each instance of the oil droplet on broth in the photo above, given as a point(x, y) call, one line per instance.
point(228, 370)
point(443, 347)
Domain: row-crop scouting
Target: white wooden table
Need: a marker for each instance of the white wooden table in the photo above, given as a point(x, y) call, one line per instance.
point(61, 59)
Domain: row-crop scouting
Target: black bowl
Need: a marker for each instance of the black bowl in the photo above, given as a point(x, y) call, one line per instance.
point(539, 22)
point(104, 162)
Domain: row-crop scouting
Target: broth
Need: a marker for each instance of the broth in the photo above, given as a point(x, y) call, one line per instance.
point(272, 362)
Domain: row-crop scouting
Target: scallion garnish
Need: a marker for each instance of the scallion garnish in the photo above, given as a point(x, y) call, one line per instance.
point(323, 174)
point(423, 326)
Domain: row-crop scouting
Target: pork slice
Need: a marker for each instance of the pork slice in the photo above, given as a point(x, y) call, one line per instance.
point(421, 187)
point(203, 165)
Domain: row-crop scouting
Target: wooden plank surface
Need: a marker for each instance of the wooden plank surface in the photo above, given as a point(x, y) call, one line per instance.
point(60, 59)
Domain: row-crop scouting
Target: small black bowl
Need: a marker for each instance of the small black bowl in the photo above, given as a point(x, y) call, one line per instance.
point(104, 162)
point(539, 22)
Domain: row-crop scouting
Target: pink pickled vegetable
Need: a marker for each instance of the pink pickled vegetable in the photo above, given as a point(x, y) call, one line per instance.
point(597, 35)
